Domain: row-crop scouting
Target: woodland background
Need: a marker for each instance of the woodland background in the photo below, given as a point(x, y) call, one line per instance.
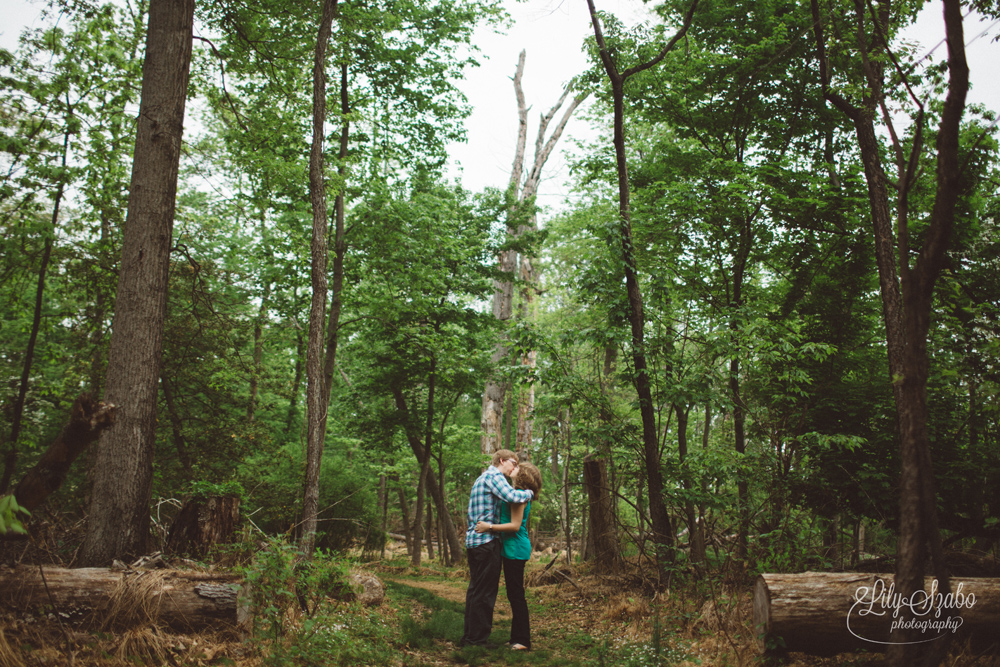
point(742, 413)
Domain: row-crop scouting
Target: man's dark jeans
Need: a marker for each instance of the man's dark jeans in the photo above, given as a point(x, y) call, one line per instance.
point(484, 582)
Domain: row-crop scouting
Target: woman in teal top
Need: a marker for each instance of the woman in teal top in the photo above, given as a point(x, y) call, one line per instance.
point(516, 552)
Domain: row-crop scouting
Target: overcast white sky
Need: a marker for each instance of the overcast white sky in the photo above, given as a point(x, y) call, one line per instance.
point(551, 32)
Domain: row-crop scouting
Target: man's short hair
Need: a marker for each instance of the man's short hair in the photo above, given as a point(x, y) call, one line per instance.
point(502, 455)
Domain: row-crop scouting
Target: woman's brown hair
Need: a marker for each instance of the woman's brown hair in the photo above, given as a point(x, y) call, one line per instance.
point(529, 477)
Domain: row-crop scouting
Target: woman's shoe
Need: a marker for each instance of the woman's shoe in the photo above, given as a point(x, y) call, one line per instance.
point(518, 647)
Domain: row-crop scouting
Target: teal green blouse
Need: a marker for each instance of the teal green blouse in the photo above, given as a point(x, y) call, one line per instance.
point(516, 546)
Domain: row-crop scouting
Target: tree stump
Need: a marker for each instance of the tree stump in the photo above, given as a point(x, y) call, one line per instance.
point(202, 524)
point(824, 613)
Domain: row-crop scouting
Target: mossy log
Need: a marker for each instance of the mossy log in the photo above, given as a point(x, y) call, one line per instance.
point(109, 599)
point(826, 613)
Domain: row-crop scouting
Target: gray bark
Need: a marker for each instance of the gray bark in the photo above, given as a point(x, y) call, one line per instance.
point(118, 518)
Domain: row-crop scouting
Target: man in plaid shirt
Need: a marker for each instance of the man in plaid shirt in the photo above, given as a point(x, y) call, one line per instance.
point(484, 550)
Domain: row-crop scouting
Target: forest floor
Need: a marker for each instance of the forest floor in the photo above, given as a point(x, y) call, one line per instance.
point(577, 618)
point(581, 619)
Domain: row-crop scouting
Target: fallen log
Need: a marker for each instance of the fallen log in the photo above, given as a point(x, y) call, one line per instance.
point(108, 599)
point(825, 613)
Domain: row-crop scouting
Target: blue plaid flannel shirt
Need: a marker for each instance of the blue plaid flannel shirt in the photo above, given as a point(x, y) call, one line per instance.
point(484, 503)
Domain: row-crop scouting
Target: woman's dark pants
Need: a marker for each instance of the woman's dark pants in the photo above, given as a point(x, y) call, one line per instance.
point(513, 576)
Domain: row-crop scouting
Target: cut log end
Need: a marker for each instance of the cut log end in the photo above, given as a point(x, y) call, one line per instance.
point(761, 612)
point(823, 613)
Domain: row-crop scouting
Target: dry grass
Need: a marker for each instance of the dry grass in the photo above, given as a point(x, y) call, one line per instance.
point(40, 643)
point(9, 656)
point(134, 602)
point(145, 644)
point(625, 607)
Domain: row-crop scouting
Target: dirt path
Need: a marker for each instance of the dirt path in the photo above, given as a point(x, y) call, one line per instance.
point(453, 592)
point(571, 610)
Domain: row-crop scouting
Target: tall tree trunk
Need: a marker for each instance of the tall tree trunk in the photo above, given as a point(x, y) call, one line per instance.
point(445, 523)
point(907, 299)
point(316, 392)
point(495, 392)
point(739, 409)
point(564, 506)
point(10, 461)
point(118, 520)
point(339, 244)
point(503, 298)
point(659, 518)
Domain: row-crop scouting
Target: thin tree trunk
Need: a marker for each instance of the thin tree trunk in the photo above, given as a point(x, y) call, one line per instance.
point(404, 510)
point(176, 429)
point(413, 438)
point(660, 519)
point(10, 462)
point(293, 395)
point(316, 391)
point(696, 553)
point(383, 504)
point(425, 464)
point(258, 352)
point(429, 533)
point(339, 246)
point(564, 499)
point(739, 410)
point(118, 519)
point(698, 546)
point(444, 519)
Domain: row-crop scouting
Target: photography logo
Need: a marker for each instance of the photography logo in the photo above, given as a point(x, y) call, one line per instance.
point(929, 611)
